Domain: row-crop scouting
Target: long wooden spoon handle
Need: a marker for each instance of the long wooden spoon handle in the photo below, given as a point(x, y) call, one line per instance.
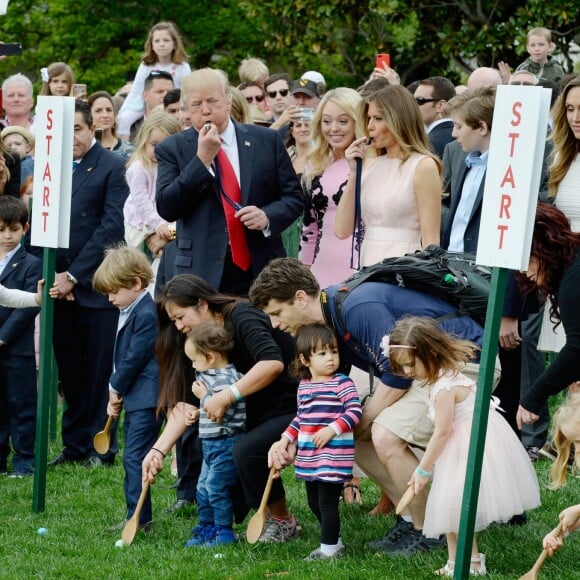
point(267, 490)
point(108, 424)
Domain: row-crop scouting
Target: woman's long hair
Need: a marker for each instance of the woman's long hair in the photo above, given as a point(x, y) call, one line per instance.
point(566, 145)
point(184, 290)
point(554, 248)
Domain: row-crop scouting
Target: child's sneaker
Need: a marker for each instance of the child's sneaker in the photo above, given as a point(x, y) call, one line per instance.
point(201, 534)
point(224, 536)
point(318, 554)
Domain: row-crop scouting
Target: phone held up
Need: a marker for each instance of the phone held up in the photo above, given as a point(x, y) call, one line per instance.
point(10, 48)
point(382, 59)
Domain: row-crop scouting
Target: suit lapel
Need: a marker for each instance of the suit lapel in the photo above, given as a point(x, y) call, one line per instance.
point(459, 188)
point(88, 163)
point(479, 197)
point(246, 156)
point(12, 265)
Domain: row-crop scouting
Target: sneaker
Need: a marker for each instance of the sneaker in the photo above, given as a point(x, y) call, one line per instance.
point(223, 536)
point(277, 530)
point(121, 525)
point(318, 554)
point(20, 474)
point(412, 542)
point(391, 537)
point(549, 451)
point(202, 534)
point(533, 452)
point(179, 505)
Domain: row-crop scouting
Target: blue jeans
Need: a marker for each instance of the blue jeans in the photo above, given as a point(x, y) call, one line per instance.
point(218, 477)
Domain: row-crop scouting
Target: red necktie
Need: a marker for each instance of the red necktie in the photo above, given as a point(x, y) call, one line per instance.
point(229, 184)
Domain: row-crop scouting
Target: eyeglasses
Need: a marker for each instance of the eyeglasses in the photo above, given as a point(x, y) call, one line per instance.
point(256, 98)
point(422, 100)
point(282, 93)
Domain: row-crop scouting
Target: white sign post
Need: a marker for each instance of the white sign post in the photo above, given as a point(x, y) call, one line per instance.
point(514, 167)
point(50, 229)
point(512, 182)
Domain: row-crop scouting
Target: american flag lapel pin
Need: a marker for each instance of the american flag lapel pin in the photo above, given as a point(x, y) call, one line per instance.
point(89, 169)
point(247, 143)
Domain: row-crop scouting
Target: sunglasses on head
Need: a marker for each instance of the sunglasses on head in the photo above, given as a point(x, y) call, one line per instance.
point(257, 98)
point(423, 100)
point(282, 93)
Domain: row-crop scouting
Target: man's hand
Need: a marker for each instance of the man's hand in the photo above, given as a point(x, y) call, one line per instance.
point(524, 416)
point(208, 143)
point(115, 404)
point(509, 337)
point(62, 287)
point(252, 217)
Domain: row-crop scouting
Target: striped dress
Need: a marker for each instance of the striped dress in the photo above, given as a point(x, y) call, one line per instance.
point(335, 403)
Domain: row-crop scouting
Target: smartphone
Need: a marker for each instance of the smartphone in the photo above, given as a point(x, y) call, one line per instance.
point(10, 48)
point(383, 58)
point(79, 91)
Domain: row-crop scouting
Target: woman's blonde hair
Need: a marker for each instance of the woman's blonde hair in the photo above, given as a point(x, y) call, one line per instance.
point(55, 70)
point(403, 119)
point(435, 348)
point(157, 120)
point(178, 55)
point(567, 414)
point(320, 154)
point(566, 145)
point(240, 109)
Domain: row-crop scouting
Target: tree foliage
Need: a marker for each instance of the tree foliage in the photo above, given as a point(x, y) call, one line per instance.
point(103, 40)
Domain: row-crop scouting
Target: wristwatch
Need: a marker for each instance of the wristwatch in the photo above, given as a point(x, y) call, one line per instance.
point(71, 278)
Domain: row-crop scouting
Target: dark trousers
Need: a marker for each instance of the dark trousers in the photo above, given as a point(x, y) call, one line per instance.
point(17, 410)
point(251, 457)
point(508, 389)
point(533, 365)
point(141, 431)
point(189, 461)
point(323, 498)
point(83, 341)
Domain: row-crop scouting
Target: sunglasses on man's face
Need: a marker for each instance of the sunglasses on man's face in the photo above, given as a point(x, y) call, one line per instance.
point(256, 98)
point(282, 93)
point(422, 100)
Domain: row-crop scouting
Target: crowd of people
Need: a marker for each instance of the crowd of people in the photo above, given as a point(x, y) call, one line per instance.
point(211, 225)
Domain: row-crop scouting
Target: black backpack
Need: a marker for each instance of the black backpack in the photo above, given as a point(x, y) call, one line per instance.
point(453, 277)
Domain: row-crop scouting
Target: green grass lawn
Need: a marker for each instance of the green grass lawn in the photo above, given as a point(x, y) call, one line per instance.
point(81, 505)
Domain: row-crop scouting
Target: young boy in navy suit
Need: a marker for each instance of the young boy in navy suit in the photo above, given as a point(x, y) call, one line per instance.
point(19, 270)
point(124, 276)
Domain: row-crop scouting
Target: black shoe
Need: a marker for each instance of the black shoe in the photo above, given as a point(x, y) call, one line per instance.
point(518, 520)
point(95, 461)
point(180, 504)
point(391, 537)
point(62, 459)
point(121, 525)
point(414, 541)
point(533, 452)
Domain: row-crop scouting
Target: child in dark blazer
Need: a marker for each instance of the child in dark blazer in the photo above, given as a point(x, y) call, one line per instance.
point(124, 276)
point(18, 270)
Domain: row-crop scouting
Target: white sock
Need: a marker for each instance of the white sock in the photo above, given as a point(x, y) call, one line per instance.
point(408, 519)
point(340, 544)
point(330, 549)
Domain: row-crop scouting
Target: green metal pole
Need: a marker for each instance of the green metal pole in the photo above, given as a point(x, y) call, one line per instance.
point(44, 383)
point(53, 397)
point(479, 425)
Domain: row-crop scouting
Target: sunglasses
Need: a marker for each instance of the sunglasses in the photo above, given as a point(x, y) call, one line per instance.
point(422, 100)
point(256, 98)
point(282, 93)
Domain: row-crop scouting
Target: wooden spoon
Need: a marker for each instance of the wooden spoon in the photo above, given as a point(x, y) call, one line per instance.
point(406, 499)
point(131, 527)
point(256, 524)
point(102, 439)
point(533, 573)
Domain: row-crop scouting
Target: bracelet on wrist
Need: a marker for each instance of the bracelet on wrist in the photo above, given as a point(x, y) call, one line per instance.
point(236, 392)
point(158, 451)
point(422, 473)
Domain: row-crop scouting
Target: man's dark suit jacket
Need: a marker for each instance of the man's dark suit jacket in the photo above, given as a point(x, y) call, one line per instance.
point(99, 191)
point(136, 373)
point(17, 324)
point(188, 193)
point(439, 136)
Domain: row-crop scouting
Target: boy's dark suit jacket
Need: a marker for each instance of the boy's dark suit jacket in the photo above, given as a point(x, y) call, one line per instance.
point(17, 324)
point(136, 372)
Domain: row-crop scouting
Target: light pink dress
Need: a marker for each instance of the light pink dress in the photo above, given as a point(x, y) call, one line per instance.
point(328, 256)
point(389, 209)
point(509, 485)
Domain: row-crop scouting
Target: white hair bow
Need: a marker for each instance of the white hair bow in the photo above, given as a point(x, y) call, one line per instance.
point(387, 347)
point(44, 74)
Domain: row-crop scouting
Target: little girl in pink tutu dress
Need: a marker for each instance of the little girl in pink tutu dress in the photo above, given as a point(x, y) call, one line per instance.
point(419, 349)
